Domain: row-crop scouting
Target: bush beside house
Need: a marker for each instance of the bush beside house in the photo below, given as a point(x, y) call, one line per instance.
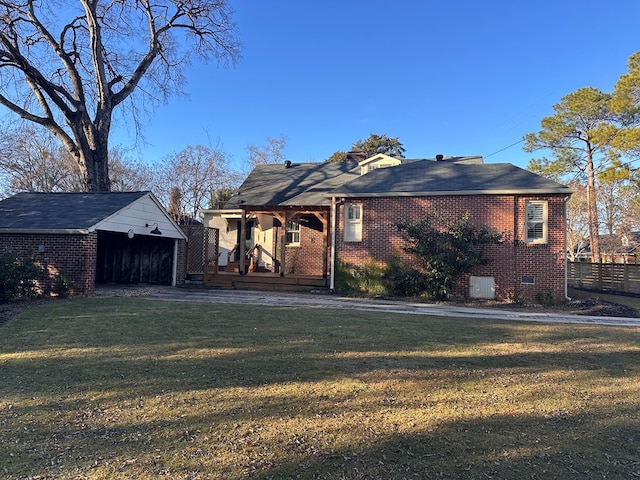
point(61, 259)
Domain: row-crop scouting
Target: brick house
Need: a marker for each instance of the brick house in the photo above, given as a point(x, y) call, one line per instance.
point(305, 218)
point(94, 238)
point(621, 247)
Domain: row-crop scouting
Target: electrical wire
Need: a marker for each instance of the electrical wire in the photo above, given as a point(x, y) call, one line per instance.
point(505, 148)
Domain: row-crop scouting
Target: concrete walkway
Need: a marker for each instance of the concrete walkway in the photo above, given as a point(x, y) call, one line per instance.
point(282, 299)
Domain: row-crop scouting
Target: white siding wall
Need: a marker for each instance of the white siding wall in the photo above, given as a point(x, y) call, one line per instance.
point(137, 216)
point(228, 229)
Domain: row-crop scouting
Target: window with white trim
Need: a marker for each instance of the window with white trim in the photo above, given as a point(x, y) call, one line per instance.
point(293, 232)
point(536, 218)
point(353, 222)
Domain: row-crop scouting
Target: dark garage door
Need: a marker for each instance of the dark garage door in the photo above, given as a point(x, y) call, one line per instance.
point(140, 259)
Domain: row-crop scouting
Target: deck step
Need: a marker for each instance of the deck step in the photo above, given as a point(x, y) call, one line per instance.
point(212, 280)
point(266, 282)
point(232, 267)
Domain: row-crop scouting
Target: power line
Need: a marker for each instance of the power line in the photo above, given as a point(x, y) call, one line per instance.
point(505, 148)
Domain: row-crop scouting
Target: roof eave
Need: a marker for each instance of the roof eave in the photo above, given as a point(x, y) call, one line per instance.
point(284, 207)
point(561, 191)
point(41, 231)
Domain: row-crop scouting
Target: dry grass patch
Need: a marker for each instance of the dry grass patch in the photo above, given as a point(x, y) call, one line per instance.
point(134, 388)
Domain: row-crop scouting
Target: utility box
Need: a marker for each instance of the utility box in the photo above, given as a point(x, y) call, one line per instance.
point(482, 287)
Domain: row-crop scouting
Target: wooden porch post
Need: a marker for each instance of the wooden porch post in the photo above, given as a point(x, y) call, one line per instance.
point(325, 242)
point(243, 241)
point(280, 240)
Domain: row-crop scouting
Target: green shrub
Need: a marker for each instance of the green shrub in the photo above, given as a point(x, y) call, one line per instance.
point(367, 280)
point(545, 299)
point(62, 286)
point(345, 282)
point(17, 277)
point(401, 281)
point(446, 249)
point(372, 279)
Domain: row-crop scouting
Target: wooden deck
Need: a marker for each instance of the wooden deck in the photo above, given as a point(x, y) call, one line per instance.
point(266, 281)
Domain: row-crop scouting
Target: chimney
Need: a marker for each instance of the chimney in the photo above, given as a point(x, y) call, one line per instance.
point(358, 156)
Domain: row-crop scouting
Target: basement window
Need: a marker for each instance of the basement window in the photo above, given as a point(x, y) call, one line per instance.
point(536, 221)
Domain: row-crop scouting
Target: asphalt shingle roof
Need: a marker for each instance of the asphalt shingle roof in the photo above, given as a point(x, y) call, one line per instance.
point(61, 211)
point(310, 184)
point(427, 177)
point(301, 184)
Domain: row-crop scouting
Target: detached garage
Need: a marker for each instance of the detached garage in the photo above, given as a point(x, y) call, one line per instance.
point(94, 238)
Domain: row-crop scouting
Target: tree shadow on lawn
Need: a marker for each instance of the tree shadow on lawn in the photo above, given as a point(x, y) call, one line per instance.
point(507, 446)
point(82, 398)
point(115, 344)
point(594, 444)
point(150, 369)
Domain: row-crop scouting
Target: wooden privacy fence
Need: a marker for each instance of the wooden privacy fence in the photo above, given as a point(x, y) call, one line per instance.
point(619, 277)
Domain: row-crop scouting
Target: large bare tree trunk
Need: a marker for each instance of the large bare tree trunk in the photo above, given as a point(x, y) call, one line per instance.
point(592, 209)
point(90, 148)
point(67, 69)
point(96, 161)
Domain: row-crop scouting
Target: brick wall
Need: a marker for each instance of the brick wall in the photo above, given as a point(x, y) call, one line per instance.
point(306, 259)
point(508, 263)
point(71, 255)
point(181, 264)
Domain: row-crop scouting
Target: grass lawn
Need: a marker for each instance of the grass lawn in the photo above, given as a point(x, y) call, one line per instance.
point(136, 388)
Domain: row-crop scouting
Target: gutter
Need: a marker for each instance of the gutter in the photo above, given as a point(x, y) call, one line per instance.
point(38, 231)
point(566, 261)
point(447, 193)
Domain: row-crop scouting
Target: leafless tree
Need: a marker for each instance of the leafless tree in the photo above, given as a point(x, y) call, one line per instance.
point(271, 152)
point(188, 180)
point(68, 64)
point(127, 175)
point(32, 160)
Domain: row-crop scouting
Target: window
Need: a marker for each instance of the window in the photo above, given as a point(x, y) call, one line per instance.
point(293, 232)
point(353, 222)
point(536, 227)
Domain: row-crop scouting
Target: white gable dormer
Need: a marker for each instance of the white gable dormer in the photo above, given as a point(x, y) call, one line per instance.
point(379, 160)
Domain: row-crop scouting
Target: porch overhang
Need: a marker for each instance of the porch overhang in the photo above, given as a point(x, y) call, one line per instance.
point(284, 214)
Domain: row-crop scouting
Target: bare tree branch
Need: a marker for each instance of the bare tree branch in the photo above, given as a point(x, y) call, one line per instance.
point(105, 52)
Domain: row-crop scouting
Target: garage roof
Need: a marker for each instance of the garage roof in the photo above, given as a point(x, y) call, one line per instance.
point(84, 212)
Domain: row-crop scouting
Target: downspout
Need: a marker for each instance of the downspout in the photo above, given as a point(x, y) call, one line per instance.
point(333, 244)
point(566, 263)
point(515, 243)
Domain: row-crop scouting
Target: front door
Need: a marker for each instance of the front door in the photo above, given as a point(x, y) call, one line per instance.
point(249, 241)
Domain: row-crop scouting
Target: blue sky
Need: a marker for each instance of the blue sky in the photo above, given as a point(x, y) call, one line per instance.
point(452, 77)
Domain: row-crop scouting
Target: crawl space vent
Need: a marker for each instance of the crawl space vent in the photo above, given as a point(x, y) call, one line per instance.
point(482, 287)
